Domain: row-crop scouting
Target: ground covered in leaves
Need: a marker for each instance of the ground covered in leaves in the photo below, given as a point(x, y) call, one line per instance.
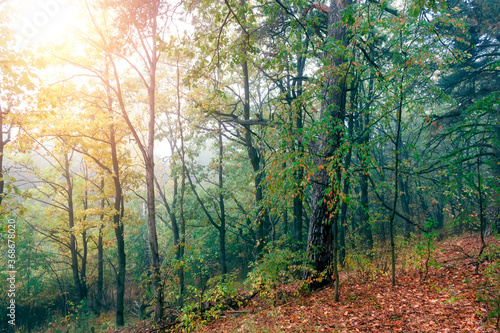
point(445, 299)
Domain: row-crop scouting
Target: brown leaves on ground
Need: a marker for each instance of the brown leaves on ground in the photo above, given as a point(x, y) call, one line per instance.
point(445, 302)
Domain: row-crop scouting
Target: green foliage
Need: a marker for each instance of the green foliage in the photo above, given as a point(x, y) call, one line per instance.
point(361, 263)
point(278, 266)
point(491, 289)
point(222, 293)
point(80, 316)
point(368, 264)
point(426, 249)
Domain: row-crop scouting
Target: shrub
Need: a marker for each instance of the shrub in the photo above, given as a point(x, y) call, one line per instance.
point(278, 266)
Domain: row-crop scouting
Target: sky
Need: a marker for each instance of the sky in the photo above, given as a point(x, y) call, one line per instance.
point(43, 21)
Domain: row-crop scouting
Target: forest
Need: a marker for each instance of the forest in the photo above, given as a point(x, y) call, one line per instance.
point(250, 165)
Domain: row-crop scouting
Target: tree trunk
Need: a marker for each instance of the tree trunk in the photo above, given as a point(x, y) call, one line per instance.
point(100, 273)
point(298, 200)
point(253, 154)
point(345, 193)
point(71, 224)
point(364, 211)
point(150, 171)
point(396, 187)
point(496, 170)
point(100, 261)
point(405, 191)
point(147, 148)
point(119, 233)
point(405, 205)
point(83, 270)
point(222, 227)
point(325, 198)
point(182, 222)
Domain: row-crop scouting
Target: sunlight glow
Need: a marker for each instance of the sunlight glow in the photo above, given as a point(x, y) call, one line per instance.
point(38, 22)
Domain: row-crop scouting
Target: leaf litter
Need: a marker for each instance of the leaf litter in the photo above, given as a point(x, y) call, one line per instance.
point(446, 302)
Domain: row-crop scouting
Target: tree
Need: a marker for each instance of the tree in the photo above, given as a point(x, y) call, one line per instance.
point(321, 243)
point(141, 24)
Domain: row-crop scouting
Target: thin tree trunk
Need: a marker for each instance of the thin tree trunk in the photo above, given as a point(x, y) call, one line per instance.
point(396, 188)
point(100, 254)
point(364, 209)
point(298, 200)
point(71, 224)
point(345, 193)
point(253, 154)
point(119, 233)
point(117, 216)
point(83, 270)
point(100, 271)
point(222, 229)
point(405, 205)
point(183, 189)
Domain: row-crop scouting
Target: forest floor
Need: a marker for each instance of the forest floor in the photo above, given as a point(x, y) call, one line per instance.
point(448, 300)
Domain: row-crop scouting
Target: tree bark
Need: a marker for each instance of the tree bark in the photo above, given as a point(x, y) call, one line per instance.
point(100, 261)
point(298, 200)
point(364, 209)
point(222, 228)
point(345, 192)
point(119, 232)
point(71, 224)
point(326, 180)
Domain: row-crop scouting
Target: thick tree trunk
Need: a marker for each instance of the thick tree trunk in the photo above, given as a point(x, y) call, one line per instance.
point(325, 198)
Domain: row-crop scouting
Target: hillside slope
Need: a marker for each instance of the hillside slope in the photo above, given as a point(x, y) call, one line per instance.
point(446, 302)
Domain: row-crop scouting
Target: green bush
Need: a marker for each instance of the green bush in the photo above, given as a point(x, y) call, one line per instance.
point(491, 290)
point(278, 266)
point(207, 304)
